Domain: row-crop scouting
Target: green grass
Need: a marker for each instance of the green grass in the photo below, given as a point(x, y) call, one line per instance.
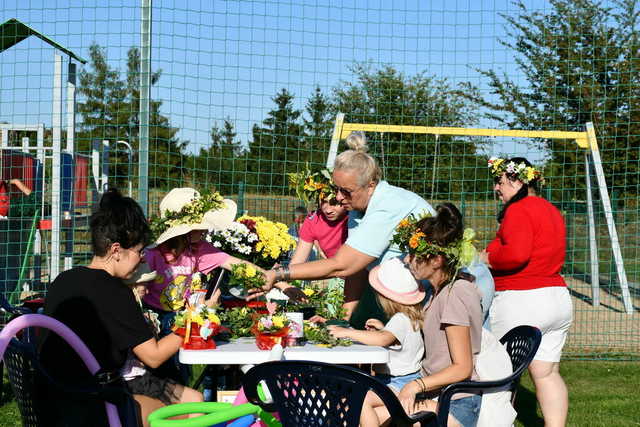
point(600, 394)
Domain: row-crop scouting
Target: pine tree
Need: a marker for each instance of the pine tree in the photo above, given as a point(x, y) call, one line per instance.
point(386, 96)
point(109, 111)
point(318, 128)
point(581, 63)
point(220, 165)
point(277, 147)
point(103, 96)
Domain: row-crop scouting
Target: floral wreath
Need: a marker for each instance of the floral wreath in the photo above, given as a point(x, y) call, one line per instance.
point(313, 186)
point(412, 240)
point(521, 171)
point(191, 213)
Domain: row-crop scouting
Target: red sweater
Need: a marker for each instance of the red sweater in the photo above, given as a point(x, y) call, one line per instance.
point(529, 248)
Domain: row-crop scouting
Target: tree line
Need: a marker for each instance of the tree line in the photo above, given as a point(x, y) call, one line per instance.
point(579, 60)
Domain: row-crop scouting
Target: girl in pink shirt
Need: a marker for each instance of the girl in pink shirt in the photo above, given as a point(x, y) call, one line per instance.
point(327, 226)
point(181, 257)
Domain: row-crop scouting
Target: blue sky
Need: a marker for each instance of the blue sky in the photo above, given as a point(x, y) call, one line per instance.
point(228, 58)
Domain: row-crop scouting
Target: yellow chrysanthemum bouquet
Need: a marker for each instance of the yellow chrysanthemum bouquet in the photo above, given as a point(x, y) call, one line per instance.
point(255, 239)
point(198, 326)
point(244, 277)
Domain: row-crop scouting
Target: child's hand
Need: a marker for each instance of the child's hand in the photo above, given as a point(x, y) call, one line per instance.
point(214, 300)
point(407, 397)
point(373, 325)
point(141, 290)
point(338, 332)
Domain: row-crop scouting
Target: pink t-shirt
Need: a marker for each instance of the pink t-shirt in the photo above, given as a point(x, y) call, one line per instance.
point(330, 235)
point(203, 258)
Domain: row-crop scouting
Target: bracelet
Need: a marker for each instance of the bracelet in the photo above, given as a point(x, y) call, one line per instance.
point(282, 274)
point(424, 387)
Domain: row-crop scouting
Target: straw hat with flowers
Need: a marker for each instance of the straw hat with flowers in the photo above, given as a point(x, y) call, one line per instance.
point(183, 210)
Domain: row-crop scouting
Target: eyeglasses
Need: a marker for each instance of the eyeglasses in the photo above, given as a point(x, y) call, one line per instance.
point(346, 193)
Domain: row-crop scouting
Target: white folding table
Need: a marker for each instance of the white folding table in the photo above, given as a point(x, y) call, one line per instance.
point(243, 351)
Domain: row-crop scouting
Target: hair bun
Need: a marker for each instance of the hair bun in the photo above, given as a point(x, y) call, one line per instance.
point(449, 222)
point(357, 140)
point(111, 199)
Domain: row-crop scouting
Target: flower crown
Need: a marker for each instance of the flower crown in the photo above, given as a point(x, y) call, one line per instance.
point(313, 186)
point(191, 213)
point(412, 240)
point(521, 171)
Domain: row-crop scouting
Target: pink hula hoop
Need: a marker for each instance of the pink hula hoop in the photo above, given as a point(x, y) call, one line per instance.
point(40, 320)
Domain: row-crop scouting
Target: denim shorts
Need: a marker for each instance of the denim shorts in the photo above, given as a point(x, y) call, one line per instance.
point(466, 410)
point(396, 383)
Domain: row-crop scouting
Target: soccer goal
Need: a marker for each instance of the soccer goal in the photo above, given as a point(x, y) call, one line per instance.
point(585, 140)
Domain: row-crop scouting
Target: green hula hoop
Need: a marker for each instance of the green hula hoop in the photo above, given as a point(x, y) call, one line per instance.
point(215, 413)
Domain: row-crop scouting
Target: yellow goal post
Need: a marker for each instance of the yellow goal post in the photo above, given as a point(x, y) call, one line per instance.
point(586, 140)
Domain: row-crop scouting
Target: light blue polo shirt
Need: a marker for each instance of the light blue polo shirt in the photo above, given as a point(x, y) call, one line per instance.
point(370, 232)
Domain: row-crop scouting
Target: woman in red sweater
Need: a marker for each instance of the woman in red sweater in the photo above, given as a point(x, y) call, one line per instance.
point(525, 259)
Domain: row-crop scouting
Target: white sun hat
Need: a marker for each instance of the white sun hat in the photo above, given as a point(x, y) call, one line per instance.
point(393, 280)
point(141, 274)
point(175, 202)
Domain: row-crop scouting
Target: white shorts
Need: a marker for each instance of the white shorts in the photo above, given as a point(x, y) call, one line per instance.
point(549, 309)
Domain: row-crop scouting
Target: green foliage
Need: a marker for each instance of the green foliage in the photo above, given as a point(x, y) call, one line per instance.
point(327, 301)
point(222, 163)
point(277, 145)
point(191, 213)
point(289, 138)
point(319, 334)
point(318, 126)
point(246, 277)
point(581, 62)
point(109, 109)
point(428, 165)
point(239, 320)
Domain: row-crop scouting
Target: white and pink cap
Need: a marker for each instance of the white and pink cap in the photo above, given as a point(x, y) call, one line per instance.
point(393, 280)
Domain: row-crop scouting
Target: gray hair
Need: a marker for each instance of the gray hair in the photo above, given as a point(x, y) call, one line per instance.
point(356, 159)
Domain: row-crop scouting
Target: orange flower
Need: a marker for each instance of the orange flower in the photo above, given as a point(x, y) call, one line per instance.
point(403, 223)
point(415, 239)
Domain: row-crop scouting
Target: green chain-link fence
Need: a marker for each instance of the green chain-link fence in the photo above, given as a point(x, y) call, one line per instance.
point(243, 92)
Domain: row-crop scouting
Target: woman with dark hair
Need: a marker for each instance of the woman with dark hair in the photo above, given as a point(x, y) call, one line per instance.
point(95, 303)
point(525, 259)
point(437, 249)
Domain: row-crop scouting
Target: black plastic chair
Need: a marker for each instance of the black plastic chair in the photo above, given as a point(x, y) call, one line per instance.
point(27, 378)
point(11, 312)
point(314, 394)
point(522, 343)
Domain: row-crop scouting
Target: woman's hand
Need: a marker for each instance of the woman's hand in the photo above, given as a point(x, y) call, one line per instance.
point(373, 325)
point(338, 331)
point(407, 396)
point(269, 280)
